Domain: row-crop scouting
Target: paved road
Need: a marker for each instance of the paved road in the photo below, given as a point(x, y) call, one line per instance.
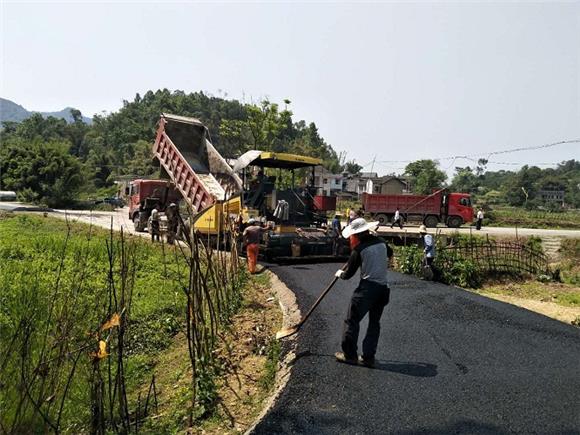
point(121, 218)
point(492, 231)
point(450, 362)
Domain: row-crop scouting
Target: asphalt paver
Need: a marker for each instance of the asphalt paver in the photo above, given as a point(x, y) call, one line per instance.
point(449, 361)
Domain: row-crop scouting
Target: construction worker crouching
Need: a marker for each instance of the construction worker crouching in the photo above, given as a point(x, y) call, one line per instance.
point(370, 254)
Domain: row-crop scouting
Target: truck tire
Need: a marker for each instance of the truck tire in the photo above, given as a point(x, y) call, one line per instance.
point(382, 218)
point(454, 221)
point(431, 221)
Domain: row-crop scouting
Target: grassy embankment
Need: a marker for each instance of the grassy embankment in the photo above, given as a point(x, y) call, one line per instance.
point(560, 300)
point(512, 216)
point(55, 288)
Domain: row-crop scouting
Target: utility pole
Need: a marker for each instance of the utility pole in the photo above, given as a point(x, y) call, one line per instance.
point(373, 165)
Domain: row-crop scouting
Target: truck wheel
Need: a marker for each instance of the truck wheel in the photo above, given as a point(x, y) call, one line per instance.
point(382, 218)
point(454, 222)
point(431, 221)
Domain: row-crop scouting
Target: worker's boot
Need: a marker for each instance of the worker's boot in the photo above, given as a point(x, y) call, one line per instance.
point(341, 357)
point(367, 362)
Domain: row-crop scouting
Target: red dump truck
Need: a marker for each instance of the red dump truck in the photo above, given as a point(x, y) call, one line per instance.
point(145, 195)
point(452, 209)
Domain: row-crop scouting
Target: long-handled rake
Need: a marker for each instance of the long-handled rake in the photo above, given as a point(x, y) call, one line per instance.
point(287, 332)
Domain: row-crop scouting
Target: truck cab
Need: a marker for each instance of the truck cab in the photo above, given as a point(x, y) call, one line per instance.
point(459, 209)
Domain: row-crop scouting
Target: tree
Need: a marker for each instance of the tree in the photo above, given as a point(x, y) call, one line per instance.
point(142, 164)
point(464, 180)
point(352, 167)
point(425, 176)
point(39, 171)
point(76, 132)
point(99, 166)
point(522, 188)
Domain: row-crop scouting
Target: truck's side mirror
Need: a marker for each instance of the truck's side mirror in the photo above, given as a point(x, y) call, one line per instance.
point(127, 190)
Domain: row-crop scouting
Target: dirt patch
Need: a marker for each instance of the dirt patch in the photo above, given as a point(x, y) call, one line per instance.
point(550, 309)
point(559, 301)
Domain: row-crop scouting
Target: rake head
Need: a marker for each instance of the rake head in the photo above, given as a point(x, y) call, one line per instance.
point(286, 332)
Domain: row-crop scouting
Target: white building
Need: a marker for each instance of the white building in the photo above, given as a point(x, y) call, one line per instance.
point(326, 182)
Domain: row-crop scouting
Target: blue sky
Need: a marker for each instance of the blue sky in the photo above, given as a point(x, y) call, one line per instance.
point(386, 81)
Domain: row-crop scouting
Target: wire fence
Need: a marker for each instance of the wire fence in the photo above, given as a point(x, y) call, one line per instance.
point(498, 257)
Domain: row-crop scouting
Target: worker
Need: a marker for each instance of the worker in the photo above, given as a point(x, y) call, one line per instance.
point(154, 224)
point(397, 219)
point(336, 230)
point(428, 250)
point(172, 213)
point(479, 219)
point(251, 237)
point(351, 217)
point(370, 254)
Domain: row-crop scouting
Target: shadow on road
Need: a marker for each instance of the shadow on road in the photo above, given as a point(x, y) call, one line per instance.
point(417, 369)
point(408, 368)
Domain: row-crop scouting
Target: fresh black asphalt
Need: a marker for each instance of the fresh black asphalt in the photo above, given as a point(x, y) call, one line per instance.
point(450, 361)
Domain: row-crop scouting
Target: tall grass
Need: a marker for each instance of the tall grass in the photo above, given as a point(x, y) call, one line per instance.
point(83, 313)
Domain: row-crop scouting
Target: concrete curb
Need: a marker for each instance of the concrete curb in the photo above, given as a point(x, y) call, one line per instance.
point(291, 316)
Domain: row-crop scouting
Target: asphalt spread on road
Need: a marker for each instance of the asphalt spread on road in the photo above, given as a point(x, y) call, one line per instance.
point(449, 361)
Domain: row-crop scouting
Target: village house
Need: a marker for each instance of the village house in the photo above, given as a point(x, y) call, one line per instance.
point(390, 185)
point(358, 183)
point(553, 196)
point(370, 182)
point(326, 182)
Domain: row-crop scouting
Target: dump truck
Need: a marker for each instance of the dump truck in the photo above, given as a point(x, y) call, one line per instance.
point(452, 209)
point(222, 201)
point(206, 182)
point(145, 195)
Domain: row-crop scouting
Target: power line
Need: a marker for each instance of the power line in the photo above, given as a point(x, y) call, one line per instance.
point(472, 157)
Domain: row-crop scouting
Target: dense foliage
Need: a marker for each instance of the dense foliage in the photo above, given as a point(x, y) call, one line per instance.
point(521, 188)
point(41, 171)
point(120, 143)
point(425, 176)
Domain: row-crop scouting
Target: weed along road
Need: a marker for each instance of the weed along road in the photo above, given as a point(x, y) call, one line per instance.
point(449, 361)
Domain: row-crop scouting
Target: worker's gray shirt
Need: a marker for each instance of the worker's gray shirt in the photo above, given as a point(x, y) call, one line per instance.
point(429, 246)
point(371, 256)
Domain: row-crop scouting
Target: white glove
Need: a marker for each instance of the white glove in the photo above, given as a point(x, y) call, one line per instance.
point(339, 273)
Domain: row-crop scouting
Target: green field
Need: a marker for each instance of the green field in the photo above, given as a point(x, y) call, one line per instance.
point(59, 283)
point(512, 216)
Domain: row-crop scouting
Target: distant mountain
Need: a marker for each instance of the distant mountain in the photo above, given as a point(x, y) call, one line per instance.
point(10, 111)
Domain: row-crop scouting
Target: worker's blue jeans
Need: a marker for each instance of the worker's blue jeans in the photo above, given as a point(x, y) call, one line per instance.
point(369, 297)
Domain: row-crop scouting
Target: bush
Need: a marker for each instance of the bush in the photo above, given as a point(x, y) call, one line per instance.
point(410, 259)
point(459, 271)
point(570, 264)
point(449, 268)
